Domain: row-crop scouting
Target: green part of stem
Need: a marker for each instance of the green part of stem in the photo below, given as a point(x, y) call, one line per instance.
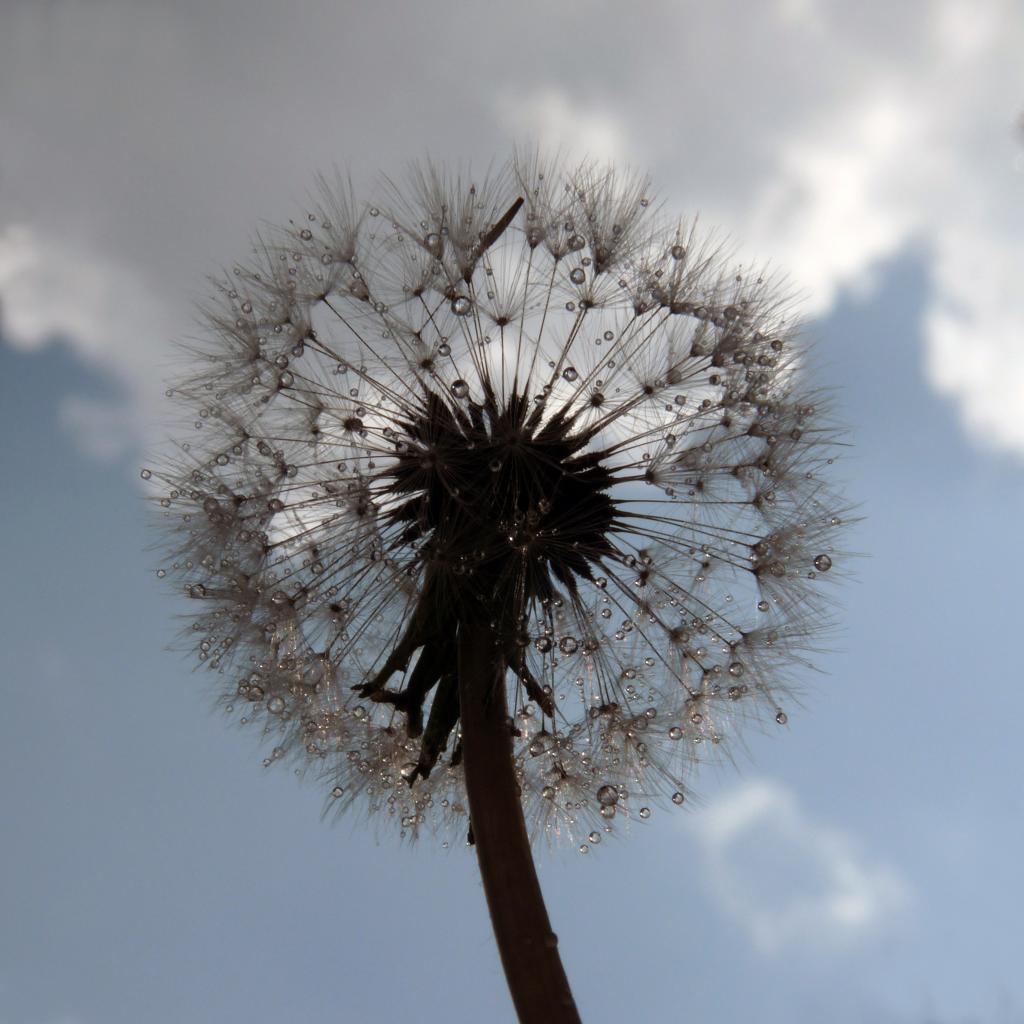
point(522, 930)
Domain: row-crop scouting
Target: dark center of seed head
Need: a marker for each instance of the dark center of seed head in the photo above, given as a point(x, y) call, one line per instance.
point(502, 511)
point(506, 508)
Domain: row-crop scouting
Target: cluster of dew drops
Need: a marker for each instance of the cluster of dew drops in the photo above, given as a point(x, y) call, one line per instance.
point(722, 431)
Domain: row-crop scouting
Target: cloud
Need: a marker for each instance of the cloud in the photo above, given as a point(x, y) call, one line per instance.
point(822, 136)
point(789, 881)
point(52, 288)
point(552, 119)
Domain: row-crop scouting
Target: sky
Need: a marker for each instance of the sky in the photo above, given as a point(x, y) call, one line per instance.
point(860, 864)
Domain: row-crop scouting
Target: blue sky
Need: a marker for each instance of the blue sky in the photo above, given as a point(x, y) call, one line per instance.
point(862, 863)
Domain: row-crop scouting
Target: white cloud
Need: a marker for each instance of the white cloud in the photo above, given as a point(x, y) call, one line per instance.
point(52, 288)
point(789, 881)
point(551, 118)
point(826, 138)
point(822, 136)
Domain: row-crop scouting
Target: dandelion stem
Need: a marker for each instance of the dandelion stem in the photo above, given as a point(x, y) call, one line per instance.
point(522, 930)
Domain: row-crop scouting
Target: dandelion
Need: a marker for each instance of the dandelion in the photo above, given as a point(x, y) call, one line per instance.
point(503, 508)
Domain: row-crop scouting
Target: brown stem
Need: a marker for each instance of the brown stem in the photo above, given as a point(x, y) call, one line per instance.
point(528, 947)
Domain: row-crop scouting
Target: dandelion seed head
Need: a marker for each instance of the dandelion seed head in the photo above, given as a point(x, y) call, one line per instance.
point(529, 394)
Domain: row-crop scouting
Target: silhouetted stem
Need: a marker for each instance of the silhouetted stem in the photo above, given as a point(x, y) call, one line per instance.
point(528, 947)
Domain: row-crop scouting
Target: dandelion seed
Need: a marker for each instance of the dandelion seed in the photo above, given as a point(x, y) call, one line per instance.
point(454, 507)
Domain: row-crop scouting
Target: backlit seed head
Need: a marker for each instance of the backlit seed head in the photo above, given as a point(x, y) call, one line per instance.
point(524, 397)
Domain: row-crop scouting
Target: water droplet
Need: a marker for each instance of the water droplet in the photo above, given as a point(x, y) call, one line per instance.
point(678, 251)
point(568, 645)
point(607, 796)
point(460, 388)
point(548, 792)
point(675, 733)
point(736, 668)
point(145, 474)
point(781, 717)
point(577, 275)
point(444, 349)
point(433, 242)
point(762, 606)
point(584, 848)
point(645, 812)
point(461, 305)
point(408, 769)
point(594, 837)
point(541, 743)
point(286, 379)
point(275, 705)
point(543, 644)
point(822, 563)
point(608, 811)
point(609, 335)
point(337, 791)
point(197, 590)
point(374, 211)
point(677, 797)
point(305, 234)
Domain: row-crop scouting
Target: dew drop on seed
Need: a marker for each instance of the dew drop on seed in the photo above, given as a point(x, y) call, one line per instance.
point(543, 644)
point(444, 349)
point(762, 606)
point(822, 563)
point(145, 474)
point(609, 335)
point(461, 305)
point(568, 645)
point(678, 252)
point(736, 668)
point(675, 733)
point(608, 811)
point(607, 796)
point(548, 792)
point(570, 374)
point(577, 275)
point(594, 837)
point(275, 705)
point(541, 744)
point(408, 769)
point(781, 717)
point(645, 813)
point(677, 798)
point(337, 791)
point(460, 388)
